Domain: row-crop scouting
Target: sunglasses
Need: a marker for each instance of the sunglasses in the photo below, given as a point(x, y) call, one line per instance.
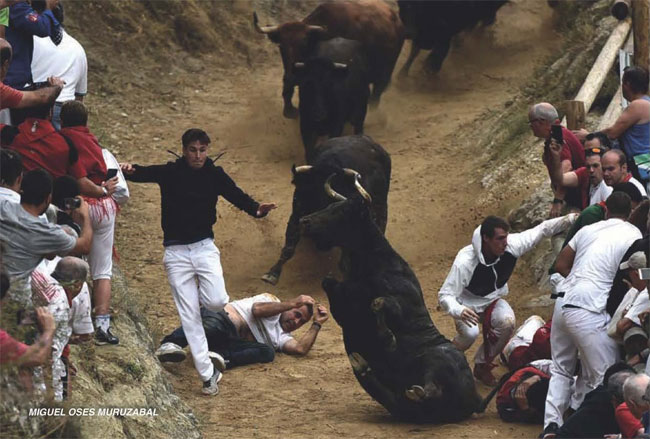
point(594, 151)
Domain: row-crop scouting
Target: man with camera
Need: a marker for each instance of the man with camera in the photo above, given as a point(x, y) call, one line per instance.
point(189, 189)
point(28, 239)
point(542, 118)
point(251, 330)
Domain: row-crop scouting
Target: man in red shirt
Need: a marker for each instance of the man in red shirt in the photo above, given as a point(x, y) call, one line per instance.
point(12, 98)
point(540, 119)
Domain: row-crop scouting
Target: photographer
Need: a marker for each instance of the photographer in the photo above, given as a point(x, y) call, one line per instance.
point(251, 330)
point(27, 239)
point(14, 352)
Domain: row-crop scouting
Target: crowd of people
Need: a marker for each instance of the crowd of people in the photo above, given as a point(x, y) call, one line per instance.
point(60, 192)
point(585, 372)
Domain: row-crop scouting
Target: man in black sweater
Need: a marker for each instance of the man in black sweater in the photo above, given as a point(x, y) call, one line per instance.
point(189, 189)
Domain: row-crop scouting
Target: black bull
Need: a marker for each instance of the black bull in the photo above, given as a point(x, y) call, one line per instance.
point(358, 153)
point(397, 354)
point(432, 24)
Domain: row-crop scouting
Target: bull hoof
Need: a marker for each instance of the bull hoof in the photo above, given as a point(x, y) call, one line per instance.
point(377, 304)
point(415, 393)
point(358, 363)
point(290, 112)
point(270, 278)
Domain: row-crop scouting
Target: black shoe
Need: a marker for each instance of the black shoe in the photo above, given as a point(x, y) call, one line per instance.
point(550, 430)
point(102, 338)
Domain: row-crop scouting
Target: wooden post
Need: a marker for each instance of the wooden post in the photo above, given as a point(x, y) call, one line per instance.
point(575, 114)
point(621, 9)
point(640, 24)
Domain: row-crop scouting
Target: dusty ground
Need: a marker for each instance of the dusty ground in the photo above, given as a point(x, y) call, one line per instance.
point(432, 212)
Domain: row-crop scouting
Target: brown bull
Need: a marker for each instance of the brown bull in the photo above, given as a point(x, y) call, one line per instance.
point(371, 22)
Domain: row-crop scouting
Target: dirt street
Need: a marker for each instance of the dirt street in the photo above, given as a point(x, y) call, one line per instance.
point(432, 212)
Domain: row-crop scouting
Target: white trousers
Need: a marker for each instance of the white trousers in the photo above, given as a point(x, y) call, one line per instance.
point(576, 331)
point(196, 278)
point(502, 327)
point(102, 220)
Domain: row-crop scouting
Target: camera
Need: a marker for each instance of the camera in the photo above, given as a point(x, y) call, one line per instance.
point(110, 173)
point(71, 203)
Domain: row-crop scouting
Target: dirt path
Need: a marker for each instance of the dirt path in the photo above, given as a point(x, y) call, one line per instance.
point(432, 212)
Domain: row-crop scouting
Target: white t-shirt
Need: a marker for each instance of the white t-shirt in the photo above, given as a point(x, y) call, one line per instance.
point(67, 61)
point(599, 249)
point(641, 304)
point(80, 319)
point(266, 330)
point(599, 193)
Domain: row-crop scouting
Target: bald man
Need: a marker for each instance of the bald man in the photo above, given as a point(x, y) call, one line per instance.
point(12, 98)
point(614, 164)
point(541, 117)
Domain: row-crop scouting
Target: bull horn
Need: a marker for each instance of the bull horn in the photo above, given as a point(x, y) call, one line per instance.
point(262, 29)
point(298, 65)
point(312, 27)
point(357, 183)
point(338, 65)
point(300, 169)
point(331, 192)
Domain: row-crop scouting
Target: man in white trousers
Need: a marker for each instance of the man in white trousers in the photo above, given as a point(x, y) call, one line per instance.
point(476, 285)
point(189, 189)
point(589, 263)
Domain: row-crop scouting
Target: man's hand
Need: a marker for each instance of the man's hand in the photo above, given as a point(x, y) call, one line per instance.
point(303, 299)
point(522, 388)
point(45, 320)
point(128, 169)
point(469, 317)
point(55, 81)
point(81, 212)
point(555, 148)
point(556, 210)
point(320, 314)
point(264, 209)
point(110, 185)
point(580, 134)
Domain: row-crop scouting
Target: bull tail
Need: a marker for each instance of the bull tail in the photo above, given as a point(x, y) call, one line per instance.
point(486, 401)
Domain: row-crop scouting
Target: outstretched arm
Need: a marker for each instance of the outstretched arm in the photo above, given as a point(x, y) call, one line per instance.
point(270, 309)
point(143, 174)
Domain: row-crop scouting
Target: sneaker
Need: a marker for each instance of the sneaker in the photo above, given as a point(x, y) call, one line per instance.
point(550, 431)
point(217, 360)
point(170, 352)
point(102, 338)
point(483, 373)
point(210, 386)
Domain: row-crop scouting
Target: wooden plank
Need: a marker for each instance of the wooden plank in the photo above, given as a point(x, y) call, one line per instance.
point(575, 114)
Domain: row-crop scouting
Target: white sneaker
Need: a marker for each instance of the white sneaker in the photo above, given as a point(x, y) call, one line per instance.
point(210, 386)
point(170, 352)
point(217, 360)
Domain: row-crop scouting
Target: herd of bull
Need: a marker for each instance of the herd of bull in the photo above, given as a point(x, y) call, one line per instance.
point(333, 56)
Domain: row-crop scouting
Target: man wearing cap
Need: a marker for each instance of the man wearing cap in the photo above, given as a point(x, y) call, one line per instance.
point(475, 289)
point(588, 263)
point(635, 302)
point(588, 179)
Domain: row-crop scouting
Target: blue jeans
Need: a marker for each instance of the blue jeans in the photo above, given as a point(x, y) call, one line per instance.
point(222, 338)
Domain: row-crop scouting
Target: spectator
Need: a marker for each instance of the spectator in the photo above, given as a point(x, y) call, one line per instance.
point(14, 352)
point(596, 416)
point(588, 179)
point(74, 118)
point(24, 23)
point(42, 147)
point(633, 125)
point(634, 391)
point(540, 118)
point(627, 422)
point(192, 261)
point(66, 188)
point(589, 263)
point(475, 288)
point(250, 330)
point(27, 239)
point(615, 170)
point(12, 98)
point(67, 61)
point(47, 291)
point(11, 175)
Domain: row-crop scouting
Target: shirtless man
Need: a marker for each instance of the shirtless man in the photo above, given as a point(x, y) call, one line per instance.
point(251, 330)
